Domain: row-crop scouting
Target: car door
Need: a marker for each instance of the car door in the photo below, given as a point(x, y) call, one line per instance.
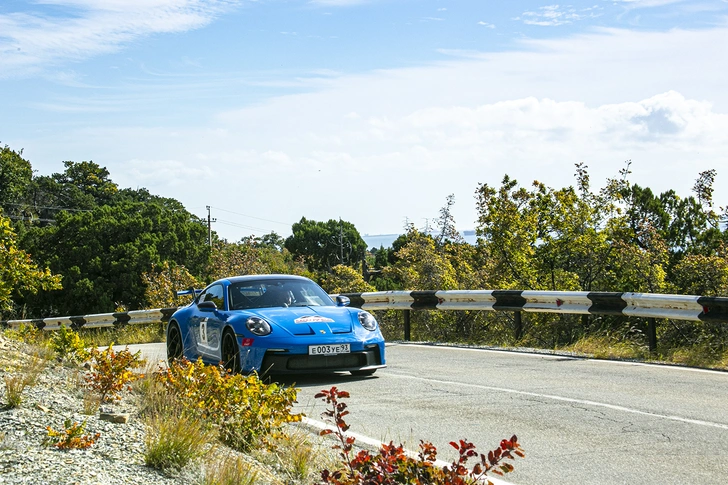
point(208, 326)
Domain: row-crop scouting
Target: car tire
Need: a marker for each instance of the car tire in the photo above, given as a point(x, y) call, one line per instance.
point(363, 373)
point(175, 349)
point(230, 352)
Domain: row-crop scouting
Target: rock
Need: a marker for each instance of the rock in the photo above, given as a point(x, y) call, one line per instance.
point(114, 417)
point(40, 407)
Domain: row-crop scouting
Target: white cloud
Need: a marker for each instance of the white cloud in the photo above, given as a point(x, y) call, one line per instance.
point(30, 42)
point(486, 24)
point(555, 15)
point(648, 3)
point(378, 147)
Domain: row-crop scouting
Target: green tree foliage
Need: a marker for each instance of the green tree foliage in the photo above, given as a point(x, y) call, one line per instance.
point(253, 255)
point(421, 266)
point(19, 275)
point(344, 279)
point(163, 282)
point(323, 245)
point(102, 254)
point(15, 178)
point(698, 274)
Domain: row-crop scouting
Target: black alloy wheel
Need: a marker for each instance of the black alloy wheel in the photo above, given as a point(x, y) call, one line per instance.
point(175, 351)
point(230, 352)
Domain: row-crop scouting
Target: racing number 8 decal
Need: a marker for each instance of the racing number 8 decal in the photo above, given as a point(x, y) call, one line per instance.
point(203, 331)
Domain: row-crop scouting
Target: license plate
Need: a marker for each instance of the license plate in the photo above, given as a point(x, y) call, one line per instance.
point(328, 349)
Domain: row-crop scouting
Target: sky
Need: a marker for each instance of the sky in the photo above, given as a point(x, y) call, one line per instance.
point(373, 111)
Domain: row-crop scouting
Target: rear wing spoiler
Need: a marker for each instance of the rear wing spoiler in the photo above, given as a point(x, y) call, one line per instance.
point(189, 291)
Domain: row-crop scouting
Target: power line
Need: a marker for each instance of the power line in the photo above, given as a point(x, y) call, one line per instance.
point(242, 226)
point(253, 217)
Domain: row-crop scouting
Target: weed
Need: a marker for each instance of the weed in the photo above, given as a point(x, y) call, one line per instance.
point(246, 411)
point(699, 356)
point(68, 345)
point(392, 465)
point(29, 334)
point(605, 347)
point(91, 403)
point(25, 376)
point(71, 437)
point(175, 439)
point(296, 457)
point(123, 335)
point(112, 372)
point(231, 470)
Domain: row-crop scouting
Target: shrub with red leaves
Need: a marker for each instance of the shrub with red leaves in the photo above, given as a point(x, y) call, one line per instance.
point(391, 465)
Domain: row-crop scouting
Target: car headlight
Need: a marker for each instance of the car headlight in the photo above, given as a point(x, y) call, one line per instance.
point(367, 321)
point(258, 326)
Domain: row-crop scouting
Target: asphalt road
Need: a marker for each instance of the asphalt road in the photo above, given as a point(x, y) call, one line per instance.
point(580, 421)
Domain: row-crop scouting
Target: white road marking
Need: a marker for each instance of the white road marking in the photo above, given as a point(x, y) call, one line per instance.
point(377, 444)
point(557, 356)
point(565, 399)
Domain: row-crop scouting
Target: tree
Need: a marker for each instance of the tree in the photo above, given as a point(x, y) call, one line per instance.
point(344, 279)
point(102, 254)
point(163, 282)
point(15, 178)
point(252, 256)
point(323, 245)
point(446, 224)
point(508, 228)
point(421, 266)
point(19, 275)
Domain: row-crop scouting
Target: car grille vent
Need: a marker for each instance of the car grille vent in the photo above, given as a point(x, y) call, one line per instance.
point(326, 361)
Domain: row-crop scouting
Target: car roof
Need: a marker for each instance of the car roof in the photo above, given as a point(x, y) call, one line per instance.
point(238, 279)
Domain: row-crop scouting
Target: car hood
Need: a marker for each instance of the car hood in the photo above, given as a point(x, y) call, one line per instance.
point(309, 320)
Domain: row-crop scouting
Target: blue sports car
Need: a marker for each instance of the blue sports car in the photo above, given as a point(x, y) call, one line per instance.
point(275, 324)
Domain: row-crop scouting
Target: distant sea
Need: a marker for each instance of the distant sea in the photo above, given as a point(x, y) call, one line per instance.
point(386, 240)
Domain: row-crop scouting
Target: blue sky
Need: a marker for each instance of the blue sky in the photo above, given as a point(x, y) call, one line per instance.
point(369, 110)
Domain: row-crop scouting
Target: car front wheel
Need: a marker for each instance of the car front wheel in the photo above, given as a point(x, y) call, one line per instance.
point(230, 352)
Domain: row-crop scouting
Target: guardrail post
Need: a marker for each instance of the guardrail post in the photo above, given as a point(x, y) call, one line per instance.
point(407, 325)
point(652, 334)
point(518, 330)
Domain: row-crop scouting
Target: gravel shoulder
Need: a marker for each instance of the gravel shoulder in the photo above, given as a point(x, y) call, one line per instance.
point(116, 458)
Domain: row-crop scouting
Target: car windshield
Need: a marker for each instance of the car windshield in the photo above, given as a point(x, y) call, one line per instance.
point(245, 295)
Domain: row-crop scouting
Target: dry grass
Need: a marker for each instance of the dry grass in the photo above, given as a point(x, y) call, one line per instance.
point(229, 470)
point(124, 335)
point(175, 439)
point(699, 356)
point(608, 348)
point(23, 374)
point(299, 456)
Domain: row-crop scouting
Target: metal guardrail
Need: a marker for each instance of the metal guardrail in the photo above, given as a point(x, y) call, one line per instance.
point(647, 305)
point(99, 320)
point(644, 305)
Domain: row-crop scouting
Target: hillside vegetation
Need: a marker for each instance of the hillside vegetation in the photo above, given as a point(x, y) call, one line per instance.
point(75, 243)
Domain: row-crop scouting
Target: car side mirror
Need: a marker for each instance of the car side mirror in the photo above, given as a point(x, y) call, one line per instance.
point(342, 300)
point(207, 305)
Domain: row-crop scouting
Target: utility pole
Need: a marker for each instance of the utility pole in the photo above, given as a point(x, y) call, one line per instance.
point(209, 226)
point(341, 240)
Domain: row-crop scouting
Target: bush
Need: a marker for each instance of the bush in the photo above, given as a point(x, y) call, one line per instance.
point(245, 411)
point(112, 372)
point(71, 437)
point(392, 465)
point(68, 345)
